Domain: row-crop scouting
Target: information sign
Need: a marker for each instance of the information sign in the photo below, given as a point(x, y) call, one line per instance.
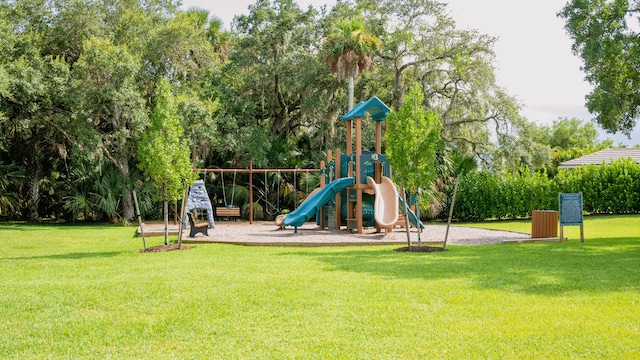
point(570, 206)
point(570, 209)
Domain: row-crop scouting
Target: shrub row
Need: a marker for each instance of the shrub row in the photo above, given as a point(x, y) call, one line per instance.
point(606, 189)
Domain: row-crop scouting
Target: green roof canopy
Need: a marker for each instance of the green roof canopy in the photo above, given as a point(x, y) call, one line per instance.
point(374, 106)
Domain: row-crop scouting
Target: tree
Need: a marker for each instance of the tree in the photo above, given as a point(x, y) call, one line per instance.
point(197, 102)
point(568, 133)
point(213, 27)
point(274, 85)
point(109, 105)
point(420, 43)
point(349, 47)
point(7, 41)
point(412, 135)
point(10, 176)
point(568, 139)
point(609, 47)
point(164, 156)
point(32, 97)
point(77, 79)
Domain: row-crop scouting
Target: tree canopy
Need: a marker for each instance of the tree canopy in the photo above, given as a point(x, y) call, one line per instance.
point(79, 80)
point(349, 49)
point(605, 35)
point(412, 136)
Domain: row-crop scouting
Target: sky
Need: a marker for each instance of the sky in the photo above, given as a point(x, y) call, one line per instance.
point(534, 61)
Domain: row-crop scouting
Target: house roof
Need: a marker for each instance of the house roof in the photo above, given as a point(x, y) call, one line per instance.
point(374, 106)
point(603, 156)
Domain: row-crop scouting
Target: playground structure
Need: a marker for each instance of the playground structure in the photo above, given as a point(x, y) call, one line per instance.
point(350, 182)
point(355, 190)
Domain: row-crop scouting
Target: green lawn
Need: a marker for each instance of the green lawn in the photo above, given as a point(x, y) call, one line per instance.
point(83, 292)
point(599, 226)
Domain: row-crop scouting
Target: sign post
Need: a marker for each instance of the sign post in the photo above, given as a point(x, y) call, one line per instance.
point(570, 206)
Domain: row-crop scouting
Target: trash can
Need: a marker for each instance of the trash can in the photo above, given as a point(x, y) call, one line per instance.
point(544, 224)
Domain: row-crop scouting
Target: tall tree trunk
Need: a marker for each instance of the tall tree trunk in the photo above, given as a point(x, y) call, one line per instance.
point(34, 195)
point(35, 174)
point(128, 209)
point(166, 221)
point(194, 154)
point(418, 229)
point(122, 164)
point(34, 187)
point(351, 89)
point(398, 90)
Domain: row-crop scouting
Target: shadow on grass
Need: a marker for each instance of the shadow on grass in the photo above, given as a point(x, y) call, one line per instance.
point(80, 255)
point(599, 265)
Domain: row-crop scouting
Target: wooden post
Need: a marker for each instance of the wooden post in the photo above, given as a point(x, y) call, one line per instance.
point(329, 158)
point(322, 184)
point(378, 137)
point(250, 192)
point(358, 175)
point(135, 202)
point(348, 152)
point(183, 209)
point(338, 199)
point(349, 125)
point(378, 165)
point(323, 213)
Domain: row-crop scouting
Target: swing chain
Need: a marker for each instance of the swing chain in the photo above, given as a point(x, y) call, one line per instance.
point(233, 189)
point(224, 195)
point(279, 180)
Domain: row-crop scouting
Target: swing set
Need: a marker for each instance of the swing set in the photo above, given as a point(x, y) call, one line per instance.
point(231, 210)
point(228, 210)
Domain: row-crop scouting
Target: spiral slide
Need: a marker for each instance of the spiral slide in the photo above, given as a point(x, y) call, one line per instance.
point(385, 206)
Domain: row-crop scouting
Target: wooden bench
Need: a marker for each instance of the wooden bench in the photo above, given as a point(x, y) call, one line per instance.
point(223, 211)
point(195, 228)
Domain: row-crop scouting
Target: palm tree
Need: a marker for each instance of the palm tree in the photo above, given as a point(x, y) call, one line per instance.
point(349, 47)
point(214, 29)
point(11, 176)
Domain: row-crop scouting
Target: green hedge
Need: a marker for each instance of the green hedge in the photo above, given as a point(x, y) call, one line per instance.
point(607, 189)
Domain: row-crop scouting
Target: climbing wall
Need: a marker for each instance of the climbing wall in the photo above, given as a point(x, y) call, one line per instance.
point(199, 199)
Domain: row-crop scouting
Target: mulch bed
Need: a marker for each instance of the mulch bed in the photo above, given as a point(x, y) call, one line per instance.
point(419, 249)
point(163, 248)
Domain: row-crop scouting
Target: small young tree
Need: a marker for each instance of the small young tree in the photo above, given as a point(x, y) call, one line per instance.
point(163, 154)
point(412, 135)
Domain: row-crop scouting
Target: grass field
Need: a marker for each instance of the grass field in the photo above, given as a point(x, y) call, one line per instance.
point(84, 292)
point(599, 226)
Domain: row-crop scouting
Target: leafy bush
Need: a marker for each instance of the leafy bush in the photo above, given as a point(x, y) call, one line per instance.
point(606, 189)
point(484, 195)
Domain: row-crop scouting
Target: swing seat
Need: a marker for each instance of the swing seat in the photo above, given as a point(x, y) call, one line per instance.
point(226, 211)
point(195, 228)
